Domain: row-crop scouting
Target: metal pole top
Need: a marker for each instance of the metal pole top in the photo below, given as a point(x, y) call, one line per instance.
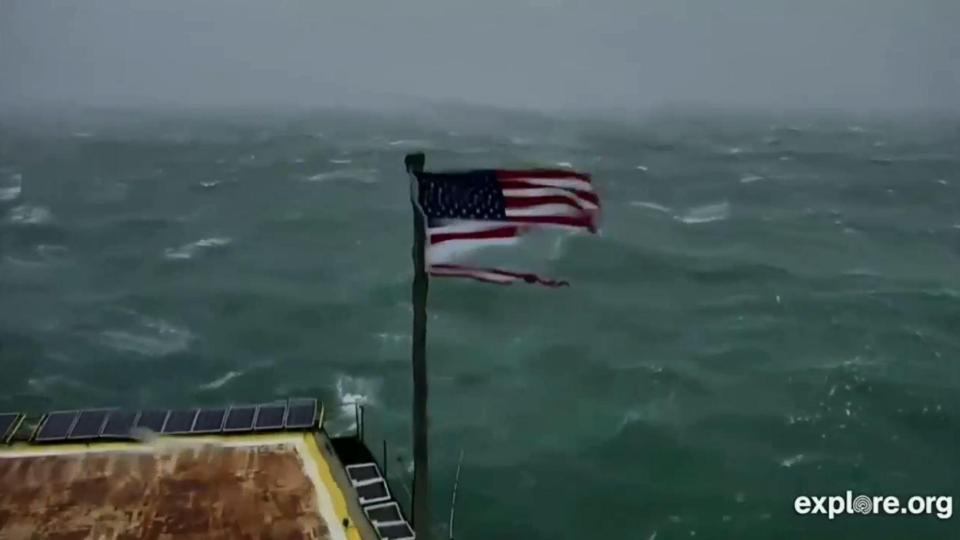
point(415, 161)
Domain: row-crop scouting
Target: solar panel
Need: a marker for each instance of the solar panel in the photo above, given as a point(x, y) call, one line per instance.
point(384, 513)
point(56, 426)
point(152, 420)
point(209, 421)
point(373, 492)
point(180, 422)
point(395, 531)
point(89, 424)
point(119, 423)
point(302, 414)
point(8, 424)
point(270, 417)
point(240, 419)
point(363, 472)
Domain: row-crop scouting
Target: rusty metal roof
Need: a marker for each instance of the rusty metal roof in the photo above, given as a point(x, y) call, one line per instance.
point(208, 492)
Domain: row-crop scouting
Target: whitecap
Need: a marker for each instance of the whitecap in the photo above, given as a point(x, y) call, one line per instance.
point(393, 337)
point(24, 264)
point(643, 168)
point(632, 416)
point(341, 161)
point(51, 383)
point(734, 151)
point(791, 461)
point(219, 382)
point(216, 183)
point(706, 213)
point(187, 251)
point(366, 176)
point(151, 337)
point(564, 164)
point(353, 392)
point(750, 178)
point(651, 205)
point(408, 143)
point(30, 215)
point(11, 187)
point(940, 181)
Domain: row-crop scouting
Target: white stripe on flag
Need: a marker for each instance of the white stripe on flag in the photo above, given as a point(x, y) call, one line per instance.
point(451, 249)
point(545, 210)
point(550, 192)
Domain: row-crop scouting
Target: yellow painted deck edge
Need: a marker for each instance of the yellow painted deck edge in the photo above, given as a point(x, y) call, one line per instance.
point(339, 501)
point(25, 448)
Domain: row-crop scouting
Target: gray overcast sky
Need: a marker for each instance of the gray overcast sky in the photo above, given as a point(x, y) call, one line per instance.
point(539, 53)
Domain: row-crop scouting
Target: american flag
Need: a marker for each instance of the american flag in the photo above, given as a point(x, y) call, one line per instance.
point(469, 210)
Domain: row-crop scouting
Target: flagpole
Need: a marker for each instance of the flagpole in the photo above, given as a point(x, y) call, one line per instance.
point(421, 485)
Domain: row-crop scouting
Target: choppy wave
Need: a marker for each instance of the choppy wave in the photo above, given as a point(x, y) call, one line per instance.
point(148, 337)
point(30, 215)
point(410, 143)
point(188, 251)
point(11, 187)
point(706, 213)
point(723, 318)
point(351, 393)
point(366, 176)
point(652, 206)
point(390, 337)
point(694, 216)
point(221, 381)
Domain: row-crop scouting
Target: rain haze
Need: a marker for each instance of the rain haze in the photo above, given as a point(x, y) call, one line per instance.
point(755, 204)
point(547, 54)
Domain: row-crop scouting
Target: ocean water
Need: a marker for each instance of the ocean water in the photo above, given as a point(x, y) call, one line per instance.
point(772, 308)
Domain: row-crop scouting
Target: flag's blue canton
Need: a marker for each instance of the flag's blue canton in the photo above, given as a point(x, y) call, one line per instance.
point(472, 195)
